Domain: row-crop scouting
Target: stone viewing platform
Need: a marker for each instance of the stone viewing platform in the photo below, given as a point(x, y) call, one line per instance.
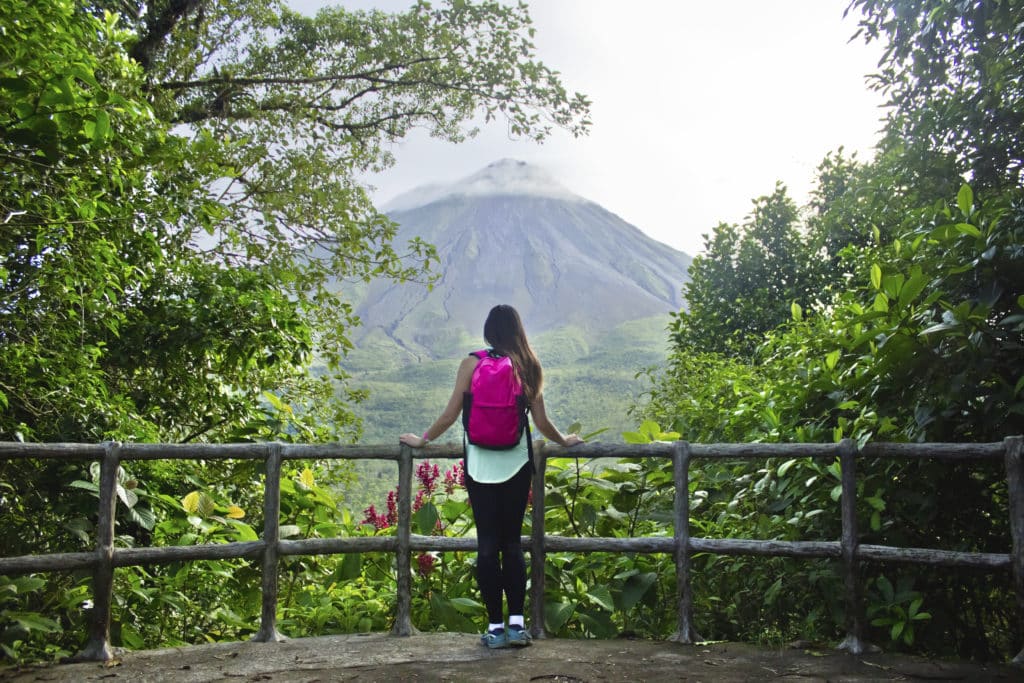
point(459, 657)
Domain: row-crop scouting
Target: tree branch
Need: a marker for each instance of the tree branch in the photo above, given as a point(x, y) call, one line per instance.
point(158, 27)
point(372, 75)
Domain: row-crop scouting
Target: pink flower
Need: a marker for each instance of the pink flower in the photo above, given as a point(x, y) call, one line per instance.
point(428, 475)
point(456, 476)
point(370, 515)
point(378, 520)
point(426, 564)
point(392, 516)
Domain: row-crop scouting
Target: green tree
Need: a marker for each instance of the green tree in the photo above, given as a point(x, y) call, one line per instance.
point(952, 72)
point(181, 212)
point(185, 197)
point(920, 329)
point(746, 281)
point(292, 110)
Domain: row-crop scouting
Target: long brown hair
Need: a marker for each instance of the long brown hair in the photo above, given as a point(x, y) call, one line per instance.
point(504, 331)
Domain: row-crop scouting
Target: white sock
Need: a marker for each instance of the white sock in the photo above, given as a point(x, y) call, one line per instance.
point(495, 627)
point(516, 620)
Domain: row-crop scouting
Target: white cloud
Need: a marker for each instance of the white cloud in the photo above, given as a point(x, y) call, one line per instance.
point(699, 107)
point(506, 176)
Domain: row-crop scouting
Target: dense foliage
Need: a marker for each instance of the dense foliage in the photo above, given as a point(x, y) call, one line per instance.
point(907, 325)
point(181, 210)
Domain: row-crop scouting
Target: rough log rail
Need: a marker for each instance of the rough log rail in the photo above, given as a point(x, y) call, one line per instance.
point(105, 558)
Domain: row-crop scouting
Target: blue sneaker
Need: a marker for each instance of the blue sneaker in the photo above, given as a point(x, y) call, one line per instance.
point(495, 639)
point(518, 636)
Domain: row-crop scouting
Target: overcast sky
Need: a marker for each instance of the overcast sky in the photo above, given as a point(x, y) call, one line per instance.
point(699, 106)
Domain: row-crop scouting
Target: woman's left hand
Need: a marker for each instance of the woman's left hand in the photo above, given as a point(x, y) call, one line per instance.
point(413, 440)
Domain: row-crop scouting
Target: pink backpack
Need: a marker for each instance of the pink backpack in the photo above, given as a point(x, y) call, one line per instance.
point(494, 408)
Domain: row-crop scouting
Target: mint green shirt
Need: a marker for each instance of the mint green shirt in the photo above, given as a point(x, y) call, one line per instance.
point(493, 467)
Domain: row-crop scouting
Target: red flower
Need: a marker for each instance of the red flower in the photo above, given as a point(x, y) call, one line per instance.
point(456, 476)
point(392, 517)
point(428, 475)
point(426, 564)
point(378, 520)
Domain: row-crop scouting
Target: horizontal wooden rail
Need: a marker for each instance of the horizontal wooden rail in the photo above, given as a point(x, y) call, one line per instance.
point(270, 548)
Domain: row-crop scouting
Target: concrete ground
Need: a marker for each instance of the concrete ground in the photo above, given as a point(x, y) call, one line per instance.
point(459, 657)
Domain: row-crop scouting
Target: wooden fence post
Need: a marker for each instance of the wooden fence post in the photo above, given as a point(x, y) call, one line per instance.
point(686, 633)
point(403, 617)
point(1015, 485)
point(538, 554)
point(98, 647)
point(271, 537)
point(854, 641)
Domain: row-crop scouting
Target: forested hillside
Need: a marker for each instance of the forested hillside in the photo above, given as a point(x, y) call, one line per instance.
point(590, 379)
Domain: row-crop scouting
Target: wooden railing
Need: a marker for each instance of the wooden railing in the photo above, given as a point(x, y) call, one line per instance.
point(105, 558)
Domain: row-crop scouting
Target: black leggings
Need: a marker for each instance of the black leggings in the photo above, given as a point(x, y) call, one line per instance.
point(498, 510)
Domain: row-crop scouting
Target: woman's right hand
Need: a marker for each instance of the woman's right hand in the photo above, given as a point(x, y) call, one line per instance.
point(413, 440)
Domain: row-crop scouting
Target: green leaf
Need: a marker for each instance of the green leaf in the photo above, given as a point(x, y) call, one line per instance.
point(244, 532)
point(16, 86)
point(127, 496)
point(81, 528)
point(34, 622)
point(831, 359)
point(796, 311)
point(452, 510)
point(967, 229)
point(636, 587)
point(602, 597)
point(426, 519)
point(142, 516)
point(289, 531)
point(556, 614)
point(350, 568)
point(27, 584)
point(190, 503)
point(913, 287)
point(102, 127)
point(87, 485)
point(634, 437)
point(784, 467)
point(940, 327)
point(876, 276)
point(207, 506)
point(886, 589)
point(965, 199)
point(1014, 319)
point(466, 605)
